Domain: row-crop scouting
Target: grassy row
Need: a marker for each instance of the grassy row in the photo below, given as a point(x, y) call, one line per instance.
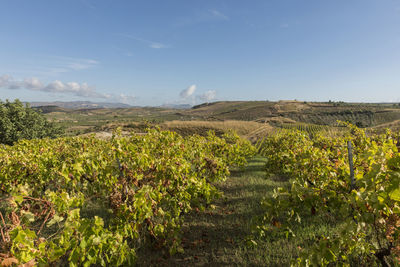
point(222, 235)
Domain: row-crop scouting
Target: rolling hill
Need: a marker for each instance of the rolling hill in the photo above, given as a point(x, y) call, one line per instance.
point(275, 114)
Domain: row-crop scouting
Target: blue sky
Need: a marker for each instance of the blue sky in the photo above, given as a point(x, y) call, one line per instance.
point(174, 52)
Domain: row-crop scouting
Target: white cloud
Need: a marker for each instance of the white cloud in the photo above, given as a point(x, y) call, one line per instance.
point(64, 64)
point(151, 44)
point(188, 91)
point(56, 86)
point(217, 14)
point(14, 85)
point(125, 99)
point(157, 45)
point(188, 95)
point(207, 96)
point(4, 80)
point(72, 88)
point(32, 83)
point(78, 66)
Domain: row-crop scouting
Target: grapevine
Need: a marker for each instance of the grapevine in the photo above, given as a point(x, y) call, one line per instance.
point(318, 168)
point(83, 201)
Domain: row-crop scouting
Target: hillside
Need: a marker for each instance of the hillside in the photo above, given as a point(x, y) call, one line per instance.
point(277, 114)
point(79, 104)
point(364, 115)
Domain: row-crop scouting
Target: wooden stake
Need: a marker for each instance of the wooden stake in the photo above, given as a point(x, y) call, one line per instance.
point(350, 149)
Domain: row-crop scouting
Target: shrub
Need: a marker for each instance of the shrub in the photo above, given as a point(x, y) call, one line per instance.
point(22, 122)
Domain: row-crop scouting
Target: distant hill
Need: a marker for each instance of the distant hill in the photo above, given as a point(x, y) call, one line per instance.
point(322, 113)
point(87, 116)
point(80, 104)
point(177, 106)
point(49, 109)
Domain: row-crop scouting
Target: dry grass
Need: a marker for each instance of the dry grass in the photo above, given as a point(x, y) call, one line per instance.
point(291, 105)
point(248, 129)
point(260, 133)
point(100, 135)
point(240, 127)
point(277, 120)
point(394, 126)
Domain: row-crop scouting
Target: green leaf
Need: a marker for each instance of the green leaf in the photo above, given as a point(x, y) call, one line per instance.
point(395, 194)
point(18, 199)
point(28, 216)
point(54, 220)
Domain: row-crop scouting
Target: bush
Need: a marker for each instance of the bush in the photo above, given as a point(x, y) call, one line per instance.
point(22, 122)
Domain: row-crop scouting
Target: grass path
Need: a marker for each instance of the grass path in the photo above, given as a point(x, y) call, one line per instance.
point(216, 237)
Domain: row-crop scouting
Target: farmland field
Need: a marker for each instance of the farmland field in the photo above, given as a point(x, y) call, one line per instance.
point(274, 114)
point(169, 192)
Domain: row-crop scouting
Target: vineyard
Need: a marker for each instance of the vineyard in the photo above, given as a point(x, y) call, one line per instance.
point(363, 216)
point(84, 201)
point(309, 128)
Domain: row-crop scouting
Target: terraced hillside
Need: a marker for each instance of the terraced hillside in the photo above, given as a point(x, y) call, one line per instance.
point(364, 115)
point(266, 113)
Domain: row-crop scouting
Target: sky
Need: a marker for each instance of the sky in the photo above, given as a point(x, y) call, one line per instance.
point(150, 53)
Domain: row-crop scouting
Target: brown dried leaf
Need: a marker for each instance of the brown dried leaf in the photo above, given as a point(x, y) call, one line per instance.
point(9, 262)
point(30, 263)
point(276, 223)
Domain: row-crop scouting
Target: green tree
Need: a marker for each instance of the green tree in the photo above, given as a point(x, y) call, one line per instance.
point(22, 122)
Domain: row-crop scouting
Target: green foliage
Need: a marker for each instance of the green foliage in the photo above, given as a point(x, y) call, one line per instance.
point(143, 184)
point(309, 128)
point(320, 186)
point(22, 122)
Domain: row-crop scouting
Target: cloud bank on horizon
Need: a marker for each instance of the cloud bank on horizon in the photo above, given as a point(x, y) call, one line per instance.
point(86, 91)
point(59, 87)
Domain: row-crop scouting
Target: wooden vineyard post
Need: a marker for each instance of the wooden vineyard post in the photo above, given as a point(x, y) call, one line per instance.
point(350, 150)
